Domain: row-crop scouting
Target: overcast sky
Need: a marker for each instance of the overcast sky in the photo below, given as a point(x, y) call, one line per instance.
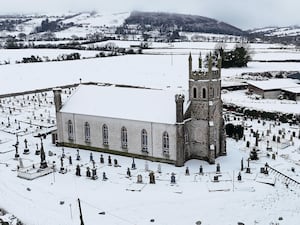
point(244, 14)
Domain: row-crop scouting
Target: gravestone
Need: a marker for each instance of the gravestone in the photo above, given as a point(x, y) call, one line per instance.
point(151, 177)
point(200, 169)
point(104, 177)
point(91, 157)
point(78, 170)
point(77, 156)
point(88, 172)
point(63, 152)
point(109, 161)
point(70, 160)
point(116, 163)
point(218, 168)
point(26, 150)
point(94, 172)
point(216, 178)
point(239, 176)
point(128, 172)
point(133, 167)
point(242, 164)
point(146, 166)
point(16, 153)
point(139, 179)
point(159, 168)
point(101, 159)
point(173, 178)
point(187, 171)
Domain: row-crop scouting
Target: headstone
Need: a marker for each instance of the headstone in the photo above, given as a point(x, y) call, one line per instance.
point(187, 171)
point(173, 178)
point(262, 169)
point(242, 164)
point(101, 159)
point(63, 152)
point(21, 163)
point(248, 170)
point(128, 172)
point(91, 157)
point(109, 160)
point(94, 172)
point(159, 168)
point(146, 166)
point(104, 176)
point(62, 169)
point(43, 157)
point(133, 167)
point(239, 176)
point(152, 177)
point(139, 179)
point(273, 156)
point(200, 169)
point(70, 160)
point(88, 172)
point(116, 163)
point(78, 170)
point(216, 178)
point(77, 156)
point(26, 150)
point(16, 153)
point(218, 168)
point(50, 153)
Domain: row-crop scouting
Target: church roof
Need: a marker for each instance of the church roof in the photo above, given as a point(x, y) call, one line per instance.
point(123, 103)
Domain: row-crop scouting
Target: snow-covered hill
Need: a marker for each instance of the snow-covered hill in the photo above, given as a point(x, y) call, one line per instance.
point(278, 31)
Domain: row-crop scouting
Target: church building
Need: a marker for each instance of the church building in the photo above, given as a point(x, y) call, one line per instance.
point(154, 124)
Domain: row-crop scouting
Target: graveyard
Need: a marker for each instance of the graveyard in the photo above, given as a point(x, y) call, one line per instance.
point(257, 182)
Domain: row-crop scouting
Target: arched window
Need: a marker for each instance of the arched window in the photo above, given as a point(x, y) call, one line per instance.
point(194, 92)
point(144, 141)
point(105, 134)
point(87, 132)
point(204, 93)
point(70, 130)
point(165, 141)
point(124, 142)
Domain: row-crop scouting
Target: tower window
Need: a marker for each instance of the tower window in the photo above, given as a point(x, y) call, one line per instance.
point(87, 132)
point(203, 93)
point(124, 142)
point(70, 130)
point(194, 92)
point(105, 134)
point(165, 141)
point(144, 141)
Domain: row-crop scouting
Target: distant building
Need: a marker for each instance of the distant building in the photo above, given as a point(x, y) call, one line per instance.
point(159, 125)
point(272, 88)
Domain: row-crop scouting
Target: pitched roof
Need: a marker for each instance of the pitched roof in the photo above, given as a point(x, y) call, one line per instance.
point(272, 84)
point(123, 103)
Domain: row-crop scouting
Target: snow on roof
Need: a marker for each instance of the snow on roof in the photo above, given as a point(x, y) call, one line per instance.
point(293, 89)
point(125, 103)
point(274, 84)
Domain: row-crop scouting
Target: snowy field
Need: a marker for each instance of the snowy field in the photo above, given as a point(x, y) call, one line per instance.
point(13, 55)
point(52, 199)
point(120, 200)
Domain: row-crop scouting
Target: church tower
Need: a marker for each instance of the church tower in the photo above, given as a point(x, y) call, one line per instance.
point(204, 127)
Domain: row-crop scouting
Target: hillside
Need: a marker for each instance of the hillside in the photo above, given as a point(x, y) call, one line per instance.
point(180, 22)
point(286, 35)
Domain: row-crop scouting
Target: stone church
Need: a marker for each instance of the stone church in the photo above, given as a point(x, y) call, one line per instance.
point(159, 125)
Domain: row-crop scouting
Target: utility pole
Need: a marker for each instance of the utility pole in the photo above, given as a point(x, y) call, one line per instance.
point(80, 212)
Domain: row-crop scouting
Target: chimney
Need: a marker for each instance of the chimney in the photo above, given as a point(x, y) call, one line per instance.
point(57, 99)
point(179, 99)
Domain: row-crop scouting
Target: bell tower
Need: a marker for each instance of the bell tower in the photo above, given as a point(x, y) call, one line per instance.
point(205, 128)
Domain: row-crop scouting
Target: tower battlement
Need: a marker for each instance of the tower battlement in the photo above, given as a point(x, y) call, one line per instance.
point(204, 75)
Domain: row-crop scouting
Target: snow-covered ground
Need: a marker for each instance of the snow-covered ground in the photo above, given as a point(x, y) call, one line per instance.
point(13, 55)
point(52, 199)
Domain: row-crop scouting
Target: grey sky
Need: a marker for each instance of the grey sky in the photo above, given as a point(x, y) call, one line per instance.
point(241, 13)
